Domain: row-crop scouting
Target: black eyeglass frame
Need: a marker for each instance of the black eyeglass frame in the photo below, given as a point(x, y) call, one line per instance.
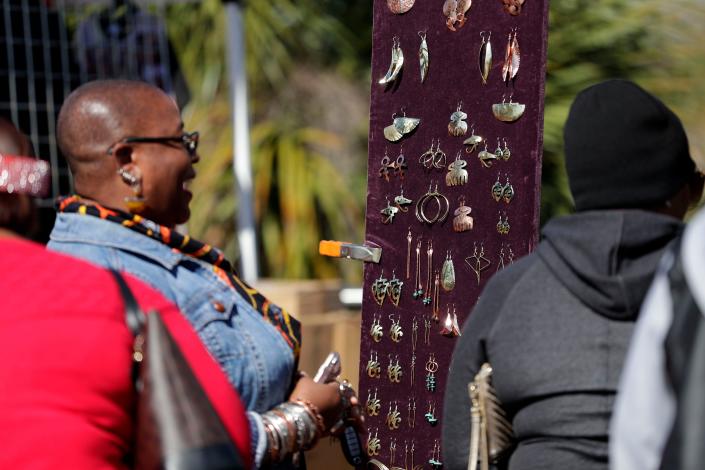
point(189, 140)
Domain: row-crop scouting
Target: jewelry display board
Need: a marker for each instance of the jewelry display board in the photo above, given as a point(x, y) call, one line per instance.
point(454, 173)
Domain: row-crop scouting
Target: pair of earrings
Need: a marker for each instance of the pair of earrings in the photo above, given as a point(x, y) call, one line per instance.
point(382, 288)
point(377, 332)
point(432, 195)
point(512, 57)
point(435, 460)
point(503, 153)
point(462, 221)
point(508, 112)
point(397, 61)
point(477, 261)
point(374, 445)
point(503, 224)
point(457, 174)
point(501, 264)
point(373, 368)
point(400, 203)
point(431, 369)
point(400, 126)
point(433, 158)
point(451, 329)
point(373, 404)
point(457, 125)
point(393, 417)
point(395, 168)
point(502, 192)
point(454, 11)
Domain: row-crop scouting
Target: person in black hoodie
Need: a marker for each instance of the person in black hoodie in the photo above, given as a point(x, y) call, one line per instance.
point(556, 324)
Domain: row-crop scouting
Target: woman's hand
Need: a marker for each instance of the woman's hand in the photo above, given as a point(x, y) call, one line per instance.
point(324, 396)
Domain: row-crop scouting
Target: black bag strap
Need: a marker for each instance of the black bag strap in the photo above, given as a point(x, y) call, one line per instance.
point(134, 316)
point(685, 363)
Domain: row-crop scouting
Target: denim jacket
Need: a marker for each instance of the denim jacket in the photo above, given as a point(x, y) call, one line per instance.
point(254, 356)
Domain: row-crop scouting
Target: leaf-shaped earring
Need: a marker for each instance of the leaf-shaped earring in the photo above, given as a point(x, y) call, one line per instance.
point(497, 190)
point(423, 56)
point(379, 289)
point(485, 56)
point(473, 141)
point(395, 64)
point(399, 7)
point(499, 153)
point(462, 221)
point(400, 127)
point(508, 191)
point(448, 274)
point(506, 153)
point(508, 112)
point(486, 157)
point(457, 125)
point(450, 324)
point(512, 57)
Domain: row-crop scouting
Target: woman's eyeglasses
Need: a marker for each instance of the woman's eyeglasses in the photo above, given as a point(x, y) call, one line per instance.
point(189, 140)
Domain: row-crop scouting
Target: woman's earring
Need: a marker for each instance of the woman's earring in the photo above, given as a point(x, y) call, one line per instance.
point(430, 415)
point(379, 289)
point(506, 153)
point(395, 65)
point(394, 289)
point(450, 324)
point(457, 174)
point(373, 404)
point(376, 331)
point(486, 157)
point(485, 59)
point(395, 331)
point(393, 417)
point(136, 203)
point(457, 125)
point(423, 56)
point(462, 221)
point(399, 7)
point(394, 372)
point(508, 191)
point(431, 369)
point(373, 444)
point(448, 274)
point(374, 370)
point(473, 141)
point(497, 190)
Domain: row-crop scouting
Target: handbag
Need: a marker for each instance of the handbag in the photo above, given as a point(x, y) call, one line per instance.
point(491, 435)
point(177, 426)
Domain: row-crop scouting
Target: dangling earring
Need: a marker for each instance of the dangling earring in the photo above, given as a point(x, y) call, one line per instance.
point(457, 125)
point(393, 417)
point(135, 203)
point(499, 153)
point(388, 213)
point(431, 369)
point(508, 112)
point(503, 225)
point(373, 404)
point(408, 254)
point(473, 141)
point(430, 416)
point(508, 191)
point(457, 174)
point(374, 369)
point(500, 263)
point(478, 262)
point(497, 190)
point(400, 201)
point(435, 460)
point(399, 164)
point(450, 324)
point(400, 126)
point(506, 153)
point(411, 415)
point(486, 157)
point(396, 63)
point(423, 56)
point(395, 332)
point(373, 444)
point(448, 274)
point(385, 166)
point(418, 292)
point(485, 58)
point(399, 7)
point(376, 331)
point(436, 291)
point(379, 288)
point(462, 221)
point(394, 372)
point(394, 289)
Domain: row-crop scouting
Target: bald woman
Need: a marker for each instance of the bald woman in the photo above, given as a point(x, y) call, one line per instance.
point(132, 162)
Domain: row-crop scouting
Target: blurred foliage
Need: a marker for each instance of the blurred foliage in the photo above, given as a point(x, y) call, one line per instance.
point(308, 72)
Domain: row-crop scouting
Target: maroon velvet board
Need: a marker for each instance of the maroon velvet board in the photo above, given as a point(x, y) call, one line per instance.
point(453, 76)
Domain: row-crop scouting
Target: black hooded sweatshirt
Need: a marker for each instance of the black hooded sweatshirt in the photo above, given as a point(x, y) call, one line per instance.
point(555, 326)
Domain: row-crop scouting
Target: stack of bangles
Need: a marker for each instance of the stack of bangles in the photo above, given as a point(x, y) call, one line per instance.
point(291, 427)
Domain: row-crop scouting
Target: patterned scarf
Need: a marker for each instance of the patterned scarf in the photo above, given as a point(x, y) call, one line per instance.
point(288, 327)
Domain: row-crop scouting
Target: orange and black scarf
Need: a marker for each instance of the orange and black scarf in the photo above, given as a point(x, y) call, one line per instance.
point(288, 327)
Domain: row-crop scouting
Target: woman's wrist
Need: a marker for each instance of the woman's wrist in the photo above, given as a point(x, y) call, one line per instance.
point(291, 427)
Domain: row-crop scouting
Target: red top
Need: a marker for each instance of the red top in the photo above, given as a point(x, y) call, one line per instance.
point(66, 393)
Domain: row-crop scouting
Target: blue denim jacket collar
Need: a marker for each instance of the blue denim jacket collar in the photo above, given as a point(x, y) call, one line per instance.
point(80, 228)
